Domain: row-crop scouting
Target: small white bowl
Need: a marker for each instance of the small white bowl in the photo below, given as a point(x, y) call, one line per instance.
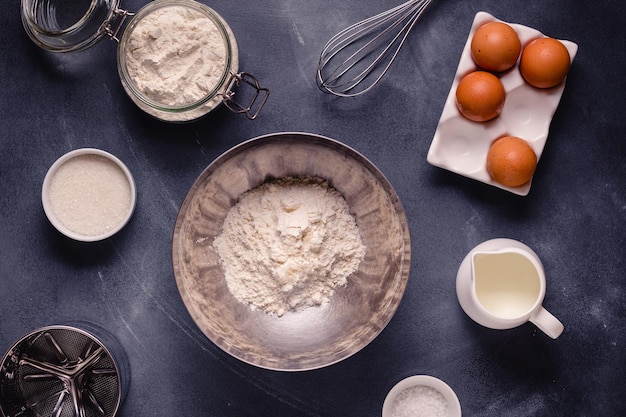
point(95, 195)
point(454, 406)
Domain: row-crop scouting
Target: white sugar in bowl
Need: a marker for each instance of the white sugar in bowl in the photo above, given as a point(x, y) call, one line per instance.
point(421, 396)
point(88, 195)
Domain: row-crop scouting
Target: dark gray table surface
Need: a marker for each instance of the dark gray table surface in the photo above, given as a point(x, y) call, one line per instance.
point(574, 216)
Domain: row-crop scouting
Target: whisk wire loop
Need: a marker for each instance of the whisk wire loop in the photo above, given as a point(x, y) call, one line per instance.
point(343, 63)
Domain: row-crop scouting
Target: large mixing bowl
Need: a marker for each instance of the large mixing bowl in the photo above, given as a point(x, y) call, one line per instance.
point(317, 336)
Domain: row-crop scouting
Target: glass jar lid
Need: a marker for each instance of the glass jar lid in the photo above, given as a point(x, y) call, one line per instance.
point(62, 26)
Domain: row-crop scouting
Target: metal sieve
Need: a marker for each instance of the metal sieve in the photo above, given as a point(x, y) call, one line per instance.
point(63, 371)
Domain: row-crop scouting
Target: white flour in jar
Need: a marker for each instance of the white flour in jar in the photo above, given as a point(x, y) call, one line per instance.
point(90, 195)
point(419, 401)
point(288, 244)
point(176, 55)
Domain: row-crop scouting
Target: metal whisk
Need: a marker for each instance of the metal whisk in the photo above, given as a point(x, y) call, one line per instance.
point(361, 52)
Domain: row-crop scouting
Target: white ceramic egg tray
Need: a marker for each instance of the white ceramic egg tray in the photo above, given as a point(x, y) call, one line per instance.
point(461, 145)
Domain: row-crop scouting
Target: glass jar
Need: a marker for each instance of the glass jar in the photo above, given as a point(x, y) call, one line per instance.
point(58, 27)
point(61, 26)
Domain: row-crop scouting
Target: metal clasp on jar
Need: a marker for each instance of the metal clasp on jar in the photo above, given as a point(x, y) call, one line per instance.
point(114, 25)
point(257, 101)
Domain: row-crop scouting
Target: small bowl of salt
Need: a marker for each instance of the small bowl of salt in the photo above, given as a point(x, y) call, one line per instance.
point(421, 396)
point(88, 194)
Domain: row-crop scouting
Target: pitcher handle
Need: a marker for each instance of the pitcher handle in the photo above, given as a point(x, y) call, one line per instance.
point(547, 323)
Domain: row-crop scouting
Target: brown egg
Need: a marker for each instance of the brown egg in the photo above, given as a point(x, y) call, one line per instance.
point(495, 46)
point(511, 161)
point(480, 96)
point(545, 62)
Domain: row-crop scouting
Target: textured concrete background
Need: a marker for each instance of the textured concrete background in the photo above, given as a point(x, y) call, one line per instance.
point(574, 216)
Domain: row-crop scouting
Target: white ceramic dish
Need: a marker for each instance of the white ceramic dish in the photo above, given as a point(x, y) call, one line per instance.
point(112, 189)
point(454, 406)
point(461, 146)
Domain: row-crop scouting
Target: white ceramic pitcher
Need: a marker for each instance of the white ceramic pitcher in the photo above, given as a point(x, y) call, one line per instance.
point(501, 284)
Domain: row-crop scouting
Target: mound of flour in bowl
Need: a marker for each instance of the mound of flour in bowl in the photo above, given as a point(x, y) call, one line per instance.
point(288, 244)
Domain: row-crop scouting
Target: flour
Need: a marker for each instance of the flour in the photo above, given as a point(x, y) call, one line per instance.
point(288, 244)
point(176, 56)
